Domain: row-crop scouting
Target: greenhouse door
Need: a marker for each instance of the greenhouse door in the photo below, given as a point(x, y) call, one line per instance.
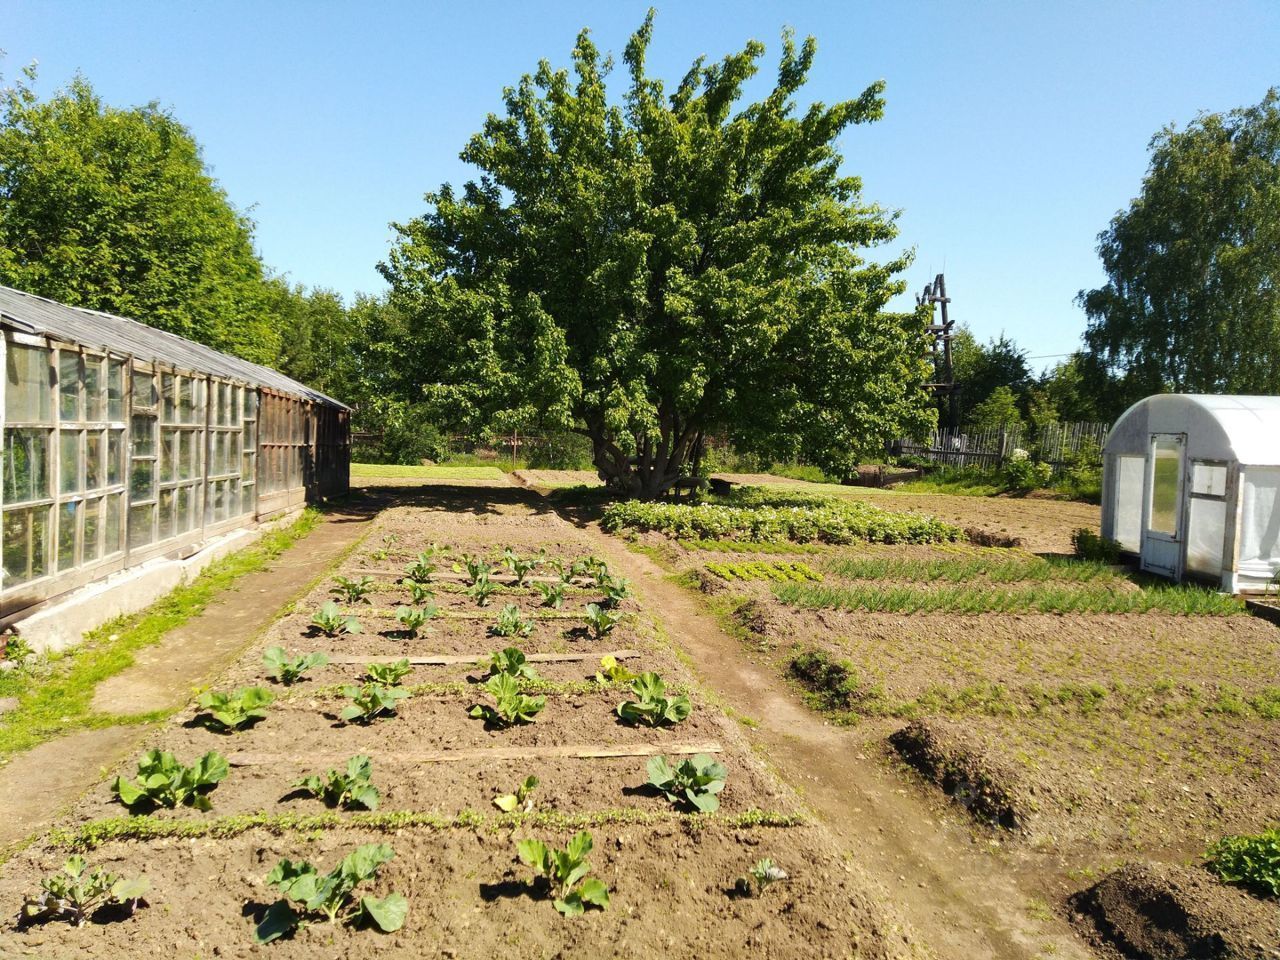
point(1162, 533)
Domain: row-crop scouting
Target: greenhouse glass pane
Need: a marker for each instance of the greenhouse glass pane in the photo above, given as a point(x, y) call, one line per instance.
point(28, 395)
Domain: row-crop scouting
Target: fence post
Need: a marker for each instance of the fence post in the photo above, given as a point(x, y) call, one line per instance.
point(1001, 448)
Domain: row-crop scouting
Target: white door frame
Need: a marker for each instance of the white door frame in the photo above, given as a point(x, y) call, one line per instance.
point(1162, 552)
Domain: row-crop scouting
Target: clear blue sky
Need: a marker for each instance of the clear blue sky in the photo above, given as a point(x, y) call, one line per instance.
point(1014, 130)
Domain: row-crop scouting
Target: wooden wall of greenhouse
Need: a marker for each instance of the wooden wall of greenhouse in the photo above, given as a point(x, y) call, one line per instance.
point(110, 461)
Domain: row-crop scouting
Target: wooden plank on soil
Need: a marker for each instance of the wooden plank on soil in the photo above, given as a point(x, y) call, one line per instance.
point(455, 659)
point(561, 752)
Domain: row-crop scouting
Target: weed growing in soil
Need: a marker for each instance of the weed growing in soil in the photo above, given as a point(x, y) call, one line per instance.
point(331, 895)
point(164, 782)
point(552, 594)
point(831, 684)
point(1176, 599)
point(370, 701)
point(332, 623)
point(289, 670)
point(413, 619)
point(75, 893)
point(601, 620)
point(519, 802)
point(352, 590)
point(1252, 862)
point(347, 789)
point(510, 705)
point(510, 623)
point(695, 781)
point(613, 672)
point(511, 662)
point(228, 712)
point(778, 571)
point(652, 707)
point(566, 873)
point(388, 674)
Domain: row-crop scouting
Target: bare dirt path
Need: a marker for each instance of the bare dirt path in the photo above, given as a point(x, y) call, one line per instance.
point(37, 786)
point(958, 897)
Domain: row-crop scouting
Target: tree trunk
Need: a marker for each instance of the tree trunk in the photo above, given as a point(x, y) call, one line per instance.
point(644, 477)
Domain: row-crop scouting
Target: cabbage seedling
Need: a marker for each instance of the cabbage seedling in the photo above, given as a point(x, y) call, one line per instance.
point(652, 706)
point(566, 873)
point(419, 593)
point(233, 711)
point(414, 618)
point(389, 674)
point(616, 589)
point(164, 782)
point(765, 873)
point(601, 620)
point(510, 705)
point(510, 623)
point(695, 781)
point(475, 567)
point(348, 789)
point(332, 623)
point(521, 567)
point(613, 672)
point(289, 670)
point(421, 568)
point(482, 589)
point(75, 892)
point(521, 801)
point(352, 591)
point(370, 701)
point(307, 892)
point(510, 661)
point(552, 594)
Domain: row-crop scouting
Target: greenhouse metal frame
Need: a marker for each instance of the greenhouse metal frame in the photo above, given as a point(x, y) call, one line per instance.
point(124, 443)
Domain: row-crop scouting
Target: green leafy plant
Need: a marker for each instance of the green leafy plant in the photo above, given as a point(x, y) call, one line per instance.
point(289, 670)
point(613, 672)
point(389, 674)
point(413, 619)
point(421, 568)
point(233, 711)
point(482, 589)
point(601, 620)
point(695, 781)
point(308, 892)
point(352, 590)
point(75, 892)
point(652, 706)
point(370, 701)
point(566, 873)
point(1088, 545)
point(1251, 861)
point(332, 623)
point(552, 594)
point(510, 661)
point(419, 592)
point(764, 874)
point(520, 567)
point(521, 800)
point(594, 568)
point(14, 648)
point(474, 566)
point(510, 623)
point(347, 789)
point(616, 589)
point(164, 782)
point(510, 705)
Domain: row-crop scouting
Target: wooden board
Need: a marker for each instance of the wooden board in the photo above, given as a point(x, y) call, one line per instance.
point(563, 752)
point(454, 659)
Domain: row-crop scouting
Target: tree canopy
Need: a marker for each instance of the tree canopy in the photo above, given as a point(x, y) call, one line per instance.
point(113, 209)
point(1192, 300)
point(651, 271)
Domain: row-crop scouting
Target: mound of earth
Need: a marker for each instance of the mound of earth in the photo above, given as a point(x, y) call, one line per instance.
point(1164, 912)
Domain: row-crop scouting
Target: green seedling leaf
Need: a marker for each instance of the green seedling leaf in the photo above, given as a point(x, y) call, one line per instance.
point(370, 701)
point(332, 623)
point(566, 873)
point(552, 594)
point(510, 705)
point(694, 782)
point(280, 920)
point(652, 706)
point(350, 789)
point(510, 623)
point(289, 670)
point(386, 913)
point(75, 892)
point(353, 590)
point(481, 589)
point(164, 782)
point(601, 620)
point(613, 672)
point(510, 661)
point(414, 619)
point(234, 711)
point(521, 800)
point(388, 674)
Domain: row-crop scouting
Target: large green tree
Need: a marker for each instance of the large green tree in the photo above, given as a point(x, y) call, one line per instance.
point(648, 270)
point(1192, 300)
point(115, 210)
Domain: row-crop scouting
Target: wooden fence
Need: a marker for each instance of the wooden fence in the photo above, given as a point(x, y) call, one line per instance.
point(1057, 444)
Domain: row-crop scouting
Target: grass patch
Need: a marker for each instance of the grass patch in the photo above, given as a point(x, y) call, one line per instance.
point(1179, 600)
point(95, 833)
point(433, 472)
point(958, 569)
point(56, 700)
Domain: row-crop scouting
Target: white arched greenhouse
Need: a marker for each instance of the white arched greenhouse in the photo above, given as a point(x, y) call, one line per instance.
point(1191, 486)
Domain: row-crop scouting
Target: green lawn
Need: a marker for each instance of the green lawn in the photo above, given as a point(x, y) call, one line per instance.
point(426, 473)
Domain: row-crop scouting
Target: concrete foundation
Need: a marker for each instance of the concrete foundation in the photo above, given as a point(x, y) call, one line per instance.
point(64, 621)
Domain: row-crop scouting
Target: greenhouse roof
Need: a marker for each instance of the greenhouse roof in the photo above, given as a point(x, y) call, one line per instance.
point(28, 313)
point(1245, 429)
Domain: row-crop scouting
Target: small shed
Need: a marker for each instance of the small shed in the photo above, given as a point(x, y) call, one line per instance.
point(1191, 486)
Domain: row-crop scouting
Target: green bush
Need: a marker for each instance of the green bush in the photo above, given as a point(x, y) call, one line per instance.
point(799, 517)
point(1250, 861)
point(1092, 546)
point(1022, 474)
